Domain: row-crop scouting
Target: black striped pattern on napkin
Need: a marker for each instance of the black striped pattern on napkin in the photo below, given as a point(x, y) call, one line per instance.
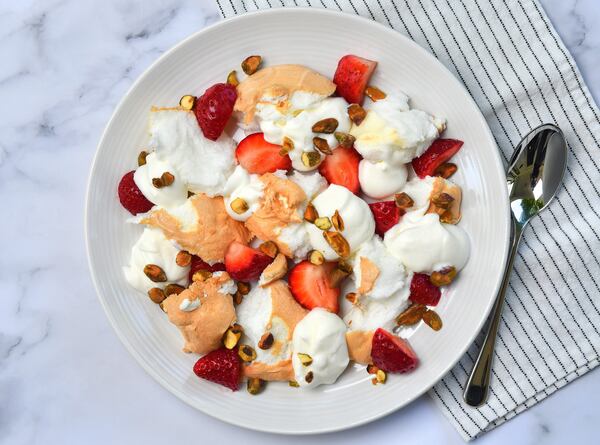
point(515, 66)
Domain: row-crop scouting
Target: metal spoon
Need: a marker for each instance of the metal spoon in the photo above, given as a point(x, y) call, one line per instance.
point(534, 175)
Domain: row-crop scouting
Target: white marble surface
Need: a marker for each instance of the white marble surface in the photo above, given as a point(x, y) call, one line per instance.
point(64, 376)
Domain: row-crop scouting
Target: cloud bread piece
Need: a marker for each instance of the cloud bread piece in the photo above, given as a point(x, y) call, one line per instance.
point(270, 309)
point(202, 328)
point(201, 226)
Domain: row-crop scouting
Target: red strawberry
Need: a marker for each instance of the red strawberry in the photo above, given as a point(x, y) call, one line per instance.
point(131, 196)
point(391, 353)
point(244, 263)
point(199, 264)
point(422, 291)
point(312, 286)
point(213, 109)
point(439, 152)
point(221, 366)
point(351, 77)
point(341, 168)
point(259, 156)
point(386, 215)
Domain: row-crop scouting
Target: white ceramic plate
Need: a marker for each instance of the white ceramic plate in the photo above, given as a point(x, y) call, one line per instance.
point(316, 38)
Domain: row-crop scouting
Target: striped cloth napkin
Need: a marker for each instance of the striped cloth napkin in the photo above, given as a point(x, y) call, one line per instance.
point(518, 71)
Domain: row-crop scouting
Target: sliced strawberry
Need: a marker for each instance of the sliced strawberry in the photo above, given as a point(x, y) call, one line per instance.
point(391, 353)
point(312, 286)
point(131, 196)
point(199, 264)
point(244, 263)
point(214, 108)
point(351, 77)
point(341, 168)
point(438, 152)
point(386, 215)
point(422, 291)
point(259, 156)
point(221, 366)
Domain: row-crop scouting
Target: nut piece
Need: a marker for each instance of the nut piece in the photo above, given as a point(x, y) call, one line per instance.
point(443, 277)
point(344, 139)
point(375, 93)
point(322, 145)
point(201, 275)
point(165, 180)
point(443, 200)
point(173, 289)
point(142, 158)
point(352, 297)
point(305, 359)
point(250, 64)
point(326, 126)
point(337, 221)
point(356, 113)
point(247, 353)
point(323, 223)
point(413, 314)
point(447, 217)
point(287, 146)
point(372, 369)
point(187, 102)
point(311, 158)
point(432, 319)
point(155, 273)
point(293, 384)
point(243, 287)
point(269, 248)
point(232, 79)
point(255, 385)
point(403, 201)
point(266, 341)
point(232, 336)
point(183, 258)
point(344, 267)
point(381, 376)
point(338, 243)
point(316, 257)
point(239, 206)
point(157, 295)
point(310, 214)
point(309, 377)
point(445, 170)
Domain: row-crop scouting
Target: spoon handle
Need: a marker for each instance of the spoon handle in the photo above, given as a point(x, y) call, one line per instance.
point(476, 390)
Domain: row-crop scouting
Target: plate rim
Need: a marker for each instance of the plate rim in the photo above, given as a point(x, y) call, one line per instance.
point(362, 21)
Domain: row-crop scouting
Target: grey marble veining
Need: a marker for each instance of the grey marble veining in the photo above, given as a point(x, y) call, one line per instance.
point(64, 376)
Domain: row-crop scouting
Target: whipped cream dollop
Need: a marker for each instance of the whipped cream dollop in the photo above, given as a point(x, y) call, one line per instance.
point(245, 186)
point(380, 179)
point(322, 336)
point(154, 248)
point(204, 165)
point(423, 244)
point(393, 133)
point(168, 196)
point(391, 275)
point(293, 117)
point(359, 225)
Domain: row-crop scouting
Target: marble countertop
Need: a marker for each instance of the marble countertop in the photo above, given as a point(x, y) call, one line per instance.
point(64, 375)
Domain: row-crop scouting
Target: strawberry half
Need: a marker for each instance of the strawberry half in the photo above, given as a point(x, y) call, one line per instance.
point(391, 353)
point(341, 168)
point(422, 291)
point(312, 287)
point(438, 152)
point(131, 196)
point(199, 264)
point(386, 215)
point(352, 76)
point(214, 108)
point(221, 366)
point(244, 263)
point(259, 156)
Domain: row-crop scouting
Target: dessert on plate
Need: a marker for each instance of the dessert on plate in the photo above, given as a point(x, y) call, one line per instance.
point(307, 236)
